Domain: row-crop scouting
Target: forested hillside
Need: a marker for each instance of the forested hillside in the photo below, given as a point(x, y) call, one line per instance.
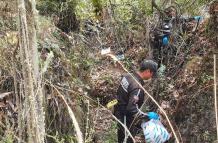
point(61, 62)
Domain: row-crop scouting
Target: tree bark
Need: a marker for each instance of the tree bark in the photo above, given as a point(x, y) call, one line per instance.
point(33, 103)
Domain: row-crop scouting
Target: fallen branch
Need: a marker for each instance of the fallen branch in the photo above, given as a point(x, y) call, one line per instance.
point(75, 123)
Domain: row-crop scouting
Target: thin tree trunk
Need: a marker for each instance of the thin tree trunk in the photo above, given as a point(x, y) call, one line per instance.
point(36, 76)
point(30, 70)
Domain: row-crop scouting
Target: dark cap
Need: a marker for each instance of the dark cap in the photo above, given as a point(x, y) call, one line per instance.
point(149, 64)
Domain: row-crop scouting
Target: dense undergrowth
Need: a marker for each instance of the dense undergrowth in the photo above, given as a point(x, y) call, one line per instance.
point(69, 50)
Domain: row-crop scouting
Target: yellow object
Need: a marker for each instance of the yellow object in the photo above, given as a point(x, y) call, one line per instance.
point(112, 103)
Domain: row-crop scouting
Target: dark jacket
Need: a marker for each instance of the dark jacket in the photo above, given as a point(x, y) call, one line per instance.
point(129, 94)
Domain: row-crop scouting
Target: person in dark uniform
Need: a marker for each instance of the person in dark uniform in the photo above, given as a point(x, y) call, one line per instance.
point(130, 95)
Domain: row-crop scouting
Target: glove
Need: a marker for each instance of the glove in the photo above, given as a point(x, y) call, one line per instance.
point(153, 115)
point(165, 40)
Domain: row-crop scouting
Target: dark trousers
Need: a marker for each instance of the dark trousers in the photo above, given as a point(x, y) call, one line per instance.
point(121, 130)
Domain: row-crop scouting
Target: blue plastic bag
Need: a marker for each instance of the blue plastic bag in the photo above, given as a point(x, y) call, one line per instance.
point(155, 132)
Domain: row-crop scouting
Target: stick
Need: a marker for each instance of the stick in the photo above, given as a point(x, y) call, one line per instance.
point(125, 139)
point(215, 97)
point(75, 123)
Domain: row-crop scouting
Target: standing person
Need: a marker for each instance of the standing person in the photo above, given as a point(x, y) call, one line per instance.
point(130, 95)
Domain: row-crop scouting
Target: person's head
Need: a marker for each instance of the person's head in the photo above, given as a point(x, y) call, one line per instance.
point(148, 69)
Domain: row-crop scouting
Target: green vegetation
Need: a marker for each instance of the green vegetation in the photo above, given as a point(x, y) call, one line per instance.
point(70, 35)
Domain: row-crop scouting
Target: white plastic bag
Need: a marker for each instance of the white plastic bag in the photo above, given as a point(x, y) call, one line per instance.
point(154, 132)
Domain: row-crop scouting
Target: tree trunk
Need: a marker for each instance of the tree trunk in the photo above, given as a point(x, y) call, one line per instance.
point(32, 88)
